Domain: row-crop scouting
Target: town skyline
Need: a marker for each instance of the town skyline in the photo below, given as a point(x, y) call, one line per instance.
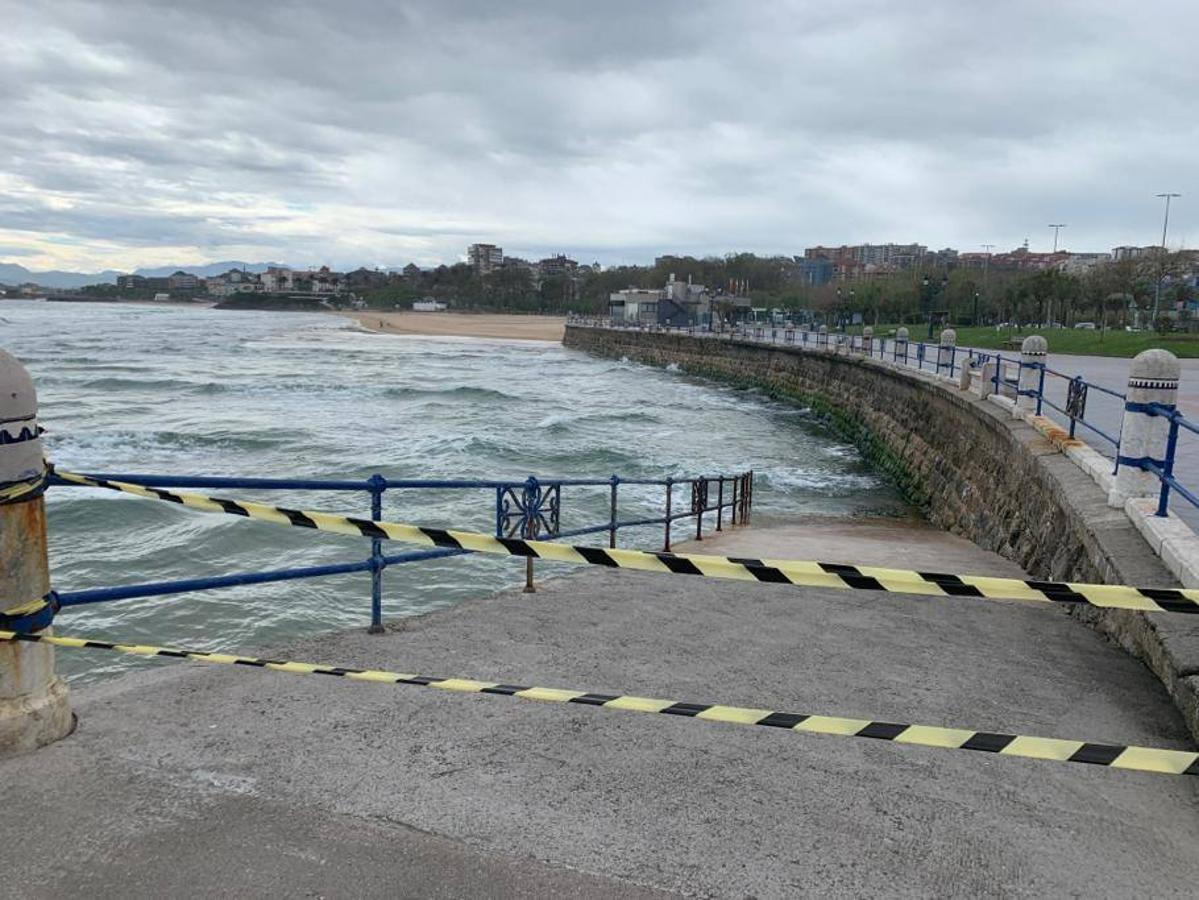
point(10, 275)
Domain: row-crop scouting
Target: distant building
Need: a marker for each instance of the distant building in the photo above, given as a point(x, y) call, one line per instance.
point(1122, 253)
point(816, 271)
point(680, 303)
point(1077, 263)
point(364, 279)
point(638, 305)
point(131, 282)
point(558, 266)
point(484, 258)
point(183, 281)
point(235, 281)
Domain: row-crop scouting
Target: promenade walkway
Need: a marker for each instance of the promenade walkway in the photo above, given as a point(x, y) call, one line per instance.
point(187, 780)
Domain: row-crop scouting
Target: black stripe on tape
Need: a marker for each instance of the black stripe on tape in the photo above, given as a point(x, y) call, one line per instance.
point(1057, 591)
point(506, 689)
point(678, 565)
point(1096, 754)
point(951, 584)
point(597, 556)
point(593, 699)
point(367, 527)
point(685, 709)
point(852, 577)
point(1168, 598)
point(884, 731)
point(297, 517)
point(518, 547)
point(230, 506)
point(781, 720)
point(988, 742)
point(441, 538)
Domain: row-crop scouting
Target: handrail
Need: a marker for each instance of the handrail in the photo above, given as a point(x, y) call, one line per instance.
point(527, 508)
point(926, 357)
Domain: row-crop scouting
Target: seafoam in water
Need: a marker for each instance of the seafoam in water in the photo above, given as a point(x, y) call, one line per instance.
point(199, 391)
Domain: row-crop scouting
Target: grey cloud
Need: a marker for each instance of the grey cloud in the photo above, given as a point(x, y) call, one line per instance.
point(361, 131)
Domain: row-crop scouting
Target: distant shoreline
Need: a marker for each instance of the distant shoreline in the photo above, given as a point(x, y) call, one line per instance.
point(500, 326)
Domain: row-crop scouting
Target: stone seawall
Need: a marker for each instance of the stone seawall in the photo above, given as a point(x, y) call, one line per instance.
point(967, 463)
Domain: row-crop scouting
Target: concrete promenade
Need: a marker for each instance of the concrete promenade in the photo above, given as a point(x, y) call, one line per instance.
point(189, 780)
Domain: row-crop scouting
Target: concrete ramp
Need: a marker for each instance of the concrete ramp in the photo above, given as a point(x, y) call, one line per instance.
point(202, 781)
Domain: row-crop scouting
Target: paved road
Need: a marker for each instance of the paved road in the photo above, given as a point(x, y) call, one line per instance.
point(205, 781)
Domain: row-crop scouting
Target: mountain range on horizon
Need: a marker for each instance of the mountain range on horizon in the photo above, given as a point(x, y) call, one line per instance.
point(14, 274)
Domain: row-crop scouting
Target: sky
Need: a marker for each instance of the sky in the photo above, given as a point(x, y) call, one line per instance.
point(366, 132)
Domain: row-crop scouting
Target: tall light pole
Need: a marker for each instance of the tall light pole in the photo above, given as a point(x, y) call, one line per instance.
point(986, 268)
point(1161, 260)
point(1056, 228)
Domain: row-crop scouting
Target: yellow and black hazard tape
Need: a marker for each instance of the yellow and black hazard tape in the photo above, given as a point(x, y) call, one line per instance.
point(797, 572)
point(1115, 756)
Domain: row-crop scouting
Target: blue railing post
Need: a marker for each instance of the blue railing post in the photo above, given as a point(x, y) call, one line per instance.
point(532, 502)
point(612, 514)
point(1163, 499)
point(1041, 393)
point(669, 494)
point(378, 484)
point(720, 503)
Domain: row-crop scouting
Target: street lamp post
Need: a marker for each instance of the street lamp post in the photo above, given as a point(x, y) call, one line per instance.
point(1161, 260)
point(1056, 228)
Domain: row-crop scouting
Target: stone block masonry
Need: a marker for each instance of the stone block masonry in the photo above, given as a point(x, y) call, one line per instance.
point(969, 465)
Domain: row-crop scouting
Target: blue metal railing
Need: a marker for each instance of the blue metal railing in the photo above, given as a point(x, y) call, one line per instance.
point(932, 358)
point(528, 509)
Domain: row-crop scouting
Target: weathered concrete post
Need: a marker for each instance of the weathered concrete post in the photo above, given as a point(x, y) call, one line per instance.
point(1034, 353)
point(822, 336)
point(946, 351)
point(868, 341)
point(1152, 378)
point(901, 343)
point(33, 700)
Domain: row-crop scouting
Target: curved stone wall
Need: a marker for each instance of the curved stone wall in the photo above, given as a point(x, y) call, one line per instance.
point(971, 467)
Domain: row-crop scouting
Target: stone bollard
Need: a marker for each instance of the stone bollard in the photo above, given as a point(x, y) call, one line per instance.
point(33, 700)
point(987, 388)
point(901, 343)
point(1034, 353)
point(868, 341)
point(946, 351)
point(822, 336)
point(1152, 378)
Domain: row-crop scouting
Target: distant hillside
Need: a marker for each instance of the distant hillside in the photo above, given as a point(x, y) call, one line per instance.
point(13, 274)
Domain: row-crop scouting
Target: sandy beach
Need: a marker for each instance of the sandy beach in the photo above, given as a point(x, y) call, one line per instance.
point(480, 325)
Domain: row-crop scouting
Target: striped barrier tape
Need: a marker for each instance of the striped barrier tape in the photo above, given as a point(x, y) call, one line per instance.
point(797, 572)
point(25, 489)
point(1115, 756)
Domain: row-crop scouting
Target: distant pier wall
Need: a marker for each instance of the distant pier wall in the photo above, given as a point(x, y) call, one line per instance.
point(973, 468)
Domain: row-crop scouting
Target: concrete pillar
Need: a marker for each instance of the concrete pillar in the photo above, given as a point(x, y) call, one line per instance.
point(946, 351)
point(868, 340)
point(33, 700)
point(1152, 378)
point(987, 388)
point(822, 336)
point(1034, 353)
point(901, 343)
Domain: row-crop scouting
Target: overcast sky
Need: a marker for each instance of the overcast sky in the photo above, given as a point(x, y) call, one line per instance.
point(379, 133)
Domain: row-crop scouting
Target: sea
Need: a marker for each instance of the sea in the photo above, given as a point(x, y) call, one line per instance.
point(176, 390)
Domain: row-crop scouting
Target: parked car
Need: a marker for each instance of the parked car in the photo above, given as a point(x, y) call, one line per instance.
point(1085, 326)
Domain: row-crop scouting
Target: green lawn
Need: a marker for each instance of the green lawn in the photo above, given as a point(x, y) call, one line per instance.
point(1067, 340)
